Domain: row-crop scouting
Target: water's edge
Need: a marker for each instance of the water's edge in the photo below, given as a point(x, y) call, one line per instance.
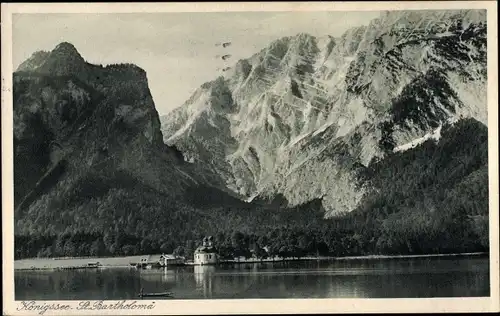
point(120, 262)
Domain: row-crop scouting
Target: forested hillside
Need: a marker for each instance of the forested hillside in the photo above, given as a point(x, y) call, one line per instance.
point(430, 199)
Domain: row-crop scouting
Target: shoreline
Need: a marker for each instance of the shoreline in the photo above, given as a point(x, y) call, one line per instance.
point(124, 262)
point(367, 257)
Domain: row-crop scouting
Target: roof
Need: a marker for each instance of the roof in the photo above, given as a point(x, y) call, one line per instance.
point(170, 257)
point(154, 257)
point(205, 249)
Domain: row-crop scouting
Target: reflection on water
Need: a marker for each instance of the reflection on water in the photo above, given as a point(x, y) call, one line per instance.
point(424, 277)
point(203, 276)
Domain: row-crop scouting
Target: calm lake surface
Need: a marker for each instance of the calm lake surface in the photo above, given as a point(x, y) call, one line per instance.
point(370, 278)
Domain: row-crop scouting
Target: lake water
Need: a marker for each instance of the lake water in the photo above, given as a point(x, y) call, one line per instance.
point(373, 278)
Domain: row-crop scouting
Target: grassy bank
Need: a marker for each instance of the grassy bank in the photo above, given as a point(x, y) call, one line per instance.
point(121, 262)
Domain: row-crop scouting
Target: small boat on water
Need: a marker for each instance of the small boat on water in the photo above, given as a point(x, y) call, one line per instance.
point(93, 265)
point(159, 294)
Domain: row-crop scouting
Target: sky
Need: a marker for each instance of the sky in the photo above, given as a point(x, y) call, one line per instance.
point(177, 50)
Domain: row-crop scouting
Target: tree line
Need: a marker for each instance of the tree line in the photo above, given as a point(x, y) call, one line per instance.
point(430, 199)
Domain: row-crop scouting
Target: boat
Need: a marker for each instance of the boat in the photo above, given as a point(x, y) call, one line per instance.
point(159, 294)
point(93, 265)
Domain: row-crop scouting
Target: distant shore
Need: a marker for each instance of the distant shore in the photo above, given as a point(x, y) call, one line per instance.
point(464, 254)
point(367, 257)
point(124, 262)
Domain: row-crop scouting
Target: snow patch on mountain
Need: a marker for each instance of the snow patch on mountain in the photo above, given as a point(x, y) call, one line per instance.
point(435, 135)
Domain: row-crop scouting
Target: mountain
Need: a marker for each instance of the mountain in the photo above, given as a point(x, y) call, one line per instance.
point(83, 135)
point(431, 198)
point(92, 175)
point(303, 118)
point(382, 131)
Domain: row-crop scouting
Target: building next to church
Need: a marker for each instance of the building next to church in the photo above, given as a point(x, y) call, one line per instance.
point(207, 253)
point(163, 260)
point(171, 260)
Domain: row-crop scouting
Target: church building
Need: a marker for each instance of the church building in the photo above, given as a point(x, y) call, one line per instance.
point(206, 253)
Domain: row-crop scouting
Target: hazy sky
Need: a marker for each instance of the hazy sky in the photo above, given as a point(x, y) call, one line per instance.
point(177, 50)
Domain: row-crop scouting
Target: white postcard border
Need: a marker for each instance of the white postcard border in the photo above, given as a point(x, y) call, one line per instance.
point(248, 306)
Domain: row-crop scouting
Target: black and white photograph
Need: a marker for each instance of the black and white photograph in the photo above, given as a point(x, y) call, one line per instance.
point(161, 157)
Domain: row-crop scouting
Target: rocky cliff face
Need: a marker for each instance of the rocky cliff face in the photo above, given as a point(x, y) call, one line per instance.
point(301, 117)
point(82, 131)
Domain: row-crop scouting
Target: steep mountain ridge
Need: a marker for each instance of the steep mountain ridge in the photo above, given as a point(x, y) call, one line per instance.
point(303, 116)
point(82, 131)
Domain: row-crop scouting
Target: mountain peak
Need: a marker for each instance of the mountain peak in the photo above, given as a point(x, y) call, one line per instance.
point(63, 59)
point(66, 47)
point(304, 39)
point(303, 35)
point(35, 61)
point(67, 51)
